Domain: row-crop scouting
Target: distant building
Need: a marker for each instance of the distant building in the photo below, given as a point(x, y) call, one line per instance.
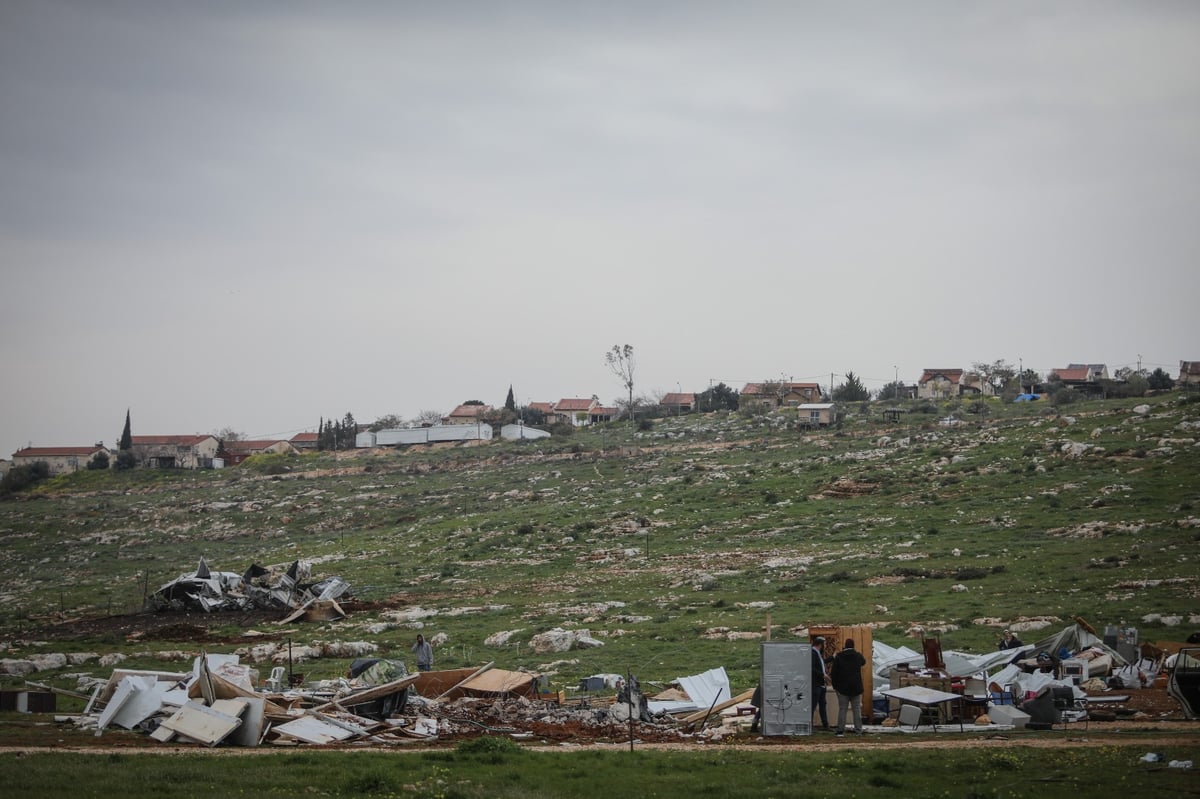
point(939, 383)
point(777, 395)
point(175, 452)
point(467, 414)
point(59, 460)
point(518, 432)
point(234, 452)
point(816, 414)
point(1085, 377)
point(577, 411)
point(304, 441)
point(678, 402)
point(1189, 373)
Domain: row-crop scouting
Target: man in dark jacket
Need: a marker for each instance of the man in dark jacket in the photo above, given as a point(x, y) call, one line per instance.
point(846, 676)
point(819, 678)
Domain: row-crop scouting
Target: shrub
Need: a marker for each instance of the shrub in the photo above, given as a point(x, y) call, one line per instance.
point(1064, 396)
point(20, 478)
point(489, 748)
point(126, 460)
point(99, 462)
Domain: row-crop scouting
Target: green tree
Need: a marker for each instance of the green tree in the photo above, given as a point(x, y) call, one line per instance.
point(852, 390)
point(126, 435)
point(621, 363)
point(99, 462)
point(1160, 380)
point(716, 398)
point(893, 391)
point(997, 374)
point(510, 402)
point(531, 415)
point(347, 432)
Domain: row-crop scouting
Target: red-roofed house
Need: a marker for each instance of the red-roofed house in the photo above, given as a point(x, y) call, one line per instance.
point(939, 383)
point(544, 407)
point(1189, 373)
point(466, 414)
point(1081, 375)
point(59, 460)
point(975, 384)
point(175, 452)
point(776, 395)
point(235, 452)
point(678, 403)
point(304, 441)
point(575, 411)
point(600, 413)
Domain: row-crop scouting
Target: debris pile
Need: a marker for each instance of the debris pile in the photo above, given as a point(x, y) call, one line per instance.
point(208, 590)
point(379, 703)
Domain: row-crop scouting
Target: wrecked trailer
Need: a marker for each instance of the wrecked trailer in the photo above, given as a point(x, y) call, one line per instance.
point(257, 587)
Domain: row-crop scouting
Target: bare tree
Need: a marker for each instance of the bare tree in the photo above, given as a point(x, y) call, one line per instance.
point(428, 418)
point(997, 374)
point(389, 421)
point(228, 434)
point(620, 363)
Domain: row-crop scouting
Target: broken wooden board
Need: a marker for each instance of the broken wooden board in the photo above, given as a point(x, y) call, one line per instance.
point(701, 715)
point(371, 694)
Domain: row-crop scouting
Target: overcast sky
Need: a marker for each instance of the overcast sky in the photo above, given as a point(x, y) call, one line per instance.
point(256, 214)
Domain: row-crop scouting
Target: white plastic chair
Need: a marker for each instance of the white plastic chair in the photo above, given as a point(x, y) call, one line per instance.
point(275, 681)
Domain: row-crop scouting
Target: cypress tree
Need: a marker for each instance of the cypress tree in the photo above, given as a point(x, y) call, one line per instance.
point(126, 435)
point(510, 403)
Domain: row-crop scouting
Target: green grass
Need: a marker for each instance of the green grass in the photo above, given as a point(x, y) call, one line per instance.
point(492, 767)
point(707, 519)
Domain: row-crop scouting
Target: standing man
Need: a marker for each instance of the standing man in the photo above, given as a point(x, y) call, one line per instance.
point(1010, 641)
point(819, 678)
point(424, 653)
point(846, 676)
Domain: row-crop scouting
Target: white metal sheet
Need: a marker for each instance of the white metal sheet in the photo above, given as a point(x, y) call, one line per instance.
point(313, 730)
point(202, 724)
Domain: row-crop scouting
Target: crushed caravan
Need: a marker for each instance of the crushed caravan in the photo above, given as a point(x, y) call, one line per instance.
point(209, 590)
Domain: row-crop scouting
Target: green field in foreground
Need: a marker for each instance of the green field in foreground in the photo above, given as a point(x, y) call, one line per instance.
point(491, 768)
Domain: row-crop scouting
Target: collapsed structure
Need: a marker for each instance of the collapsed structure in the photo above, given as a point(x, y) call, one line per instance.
point(257, 587)
point(1062, 678)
